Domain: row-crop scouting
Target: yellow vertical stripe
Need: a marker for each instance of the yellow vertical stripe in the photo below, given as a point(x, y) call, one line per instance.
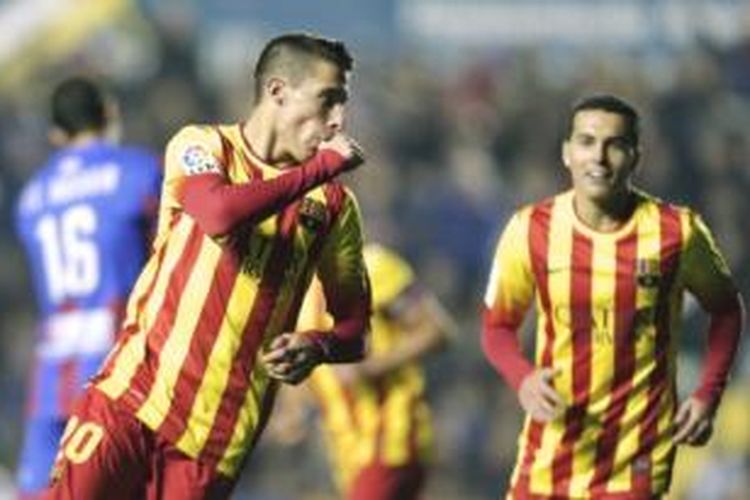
point(397, 417)
point(140, 288)
point(175, 349)
point(218, 366)
point(560, 246)
point(133, 352)
point(661, 470)
point(343, 435)
point(603, 362)
point(247, 422)
point(369, 421)
point(648, 247)
point(175, 248)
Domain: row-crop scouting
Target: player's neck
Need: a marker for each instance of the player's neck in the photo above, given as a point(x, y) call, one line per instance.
point(262, 139)
point(605, 215)
point(83, 139)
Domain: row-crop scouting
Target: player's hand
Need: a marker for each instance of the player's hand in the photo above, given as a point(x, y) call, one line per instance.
point(291, 357)
point(346, 147)
point(693, 422)
point(538, 396)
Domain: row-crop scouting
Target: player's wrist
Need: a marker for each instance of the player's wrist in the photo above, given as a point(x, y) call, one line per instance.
point(318, 346)
point(707, 397)
point(334, 162)
point(328, 162)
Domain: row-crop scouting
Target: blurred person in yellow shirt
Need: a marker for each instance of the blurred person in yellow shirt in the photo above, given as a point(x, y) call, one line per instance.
point(377, 423)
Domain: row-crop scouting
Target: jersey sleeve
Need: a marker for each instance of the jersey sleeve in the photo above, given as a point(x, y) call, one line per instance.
point(345, 282)
point(509, 293)
point(706, 275)
point(511, 285)
point(704, 269)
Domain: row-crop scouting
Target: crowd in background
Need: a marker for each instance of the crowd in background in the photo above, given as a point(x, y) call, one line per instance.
point(452, 150)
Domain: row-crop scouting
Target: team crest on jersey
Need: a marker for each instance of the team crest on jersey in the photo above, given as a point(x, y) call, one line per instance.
point(196, 160)
point(648, 273)
point(312, 214)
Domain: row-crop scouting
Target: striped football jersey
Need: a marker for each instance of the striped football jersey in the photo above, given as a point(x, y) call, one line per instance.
point(608, 318)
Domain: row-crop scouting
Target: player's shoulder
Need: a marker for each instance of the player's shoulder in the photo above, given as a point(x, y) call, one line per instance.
point(198, 133)
point(657, 206)
point(543, 206)
point(380, 256)
point(31, 198)
point(650, 200)
point(522, 213)
point(390, 273)
point(194, 149)
point(684, 218)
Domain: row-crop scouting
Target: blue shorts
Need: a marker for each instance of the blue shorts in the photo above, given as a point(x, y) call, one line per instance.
point(40, 442)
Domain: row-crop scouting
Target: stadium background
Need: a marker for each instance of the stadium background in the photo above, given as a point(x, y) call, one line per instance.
point(460, 105)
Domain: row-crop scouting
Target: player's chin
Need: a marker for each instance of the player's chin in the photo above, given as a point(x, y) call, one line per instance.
point(599, 192)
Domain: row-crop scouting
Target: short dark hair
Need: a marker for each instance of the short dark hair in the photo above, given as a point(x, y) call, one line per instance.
point(78, 104)
point(611, 104)
point(291, 54)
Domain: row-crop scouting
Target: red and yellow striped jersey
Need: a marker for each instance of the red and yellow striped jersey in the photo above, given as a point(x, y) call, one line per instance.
point(609, 309)
point(385, 421)
point(187, 362)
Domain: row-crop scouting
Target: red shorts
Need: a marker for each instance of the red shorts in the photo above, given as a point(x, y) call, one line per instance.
point(383, 482)
point(107, 453)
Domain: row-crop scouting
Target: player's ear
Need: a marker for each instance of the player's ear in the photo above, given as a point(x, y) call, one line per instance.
point(276, 89)
point(637, 152)
point(635, 159)
point(566, 154)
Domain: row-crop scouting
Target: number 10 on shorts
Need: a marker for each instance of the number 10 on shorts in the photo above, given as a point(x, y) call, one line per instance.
point(79, 440)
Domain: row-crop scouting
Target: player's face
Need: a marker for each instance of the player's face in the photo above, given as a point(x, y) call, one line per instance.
point(599, 155)
point(312, 111)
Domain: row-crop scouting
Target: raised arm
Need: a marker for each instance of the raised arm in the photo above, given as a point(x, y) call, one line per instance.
point(292, 356)
point(197, 178)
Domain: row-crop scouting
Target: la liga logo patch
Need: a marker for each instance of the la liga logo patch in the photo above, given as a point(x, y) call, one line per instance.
point(196, 160)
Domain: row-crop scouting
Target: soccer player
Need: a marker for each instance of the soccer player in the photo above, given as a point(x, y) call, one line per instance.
point(249, 212)
point(85, 220)
point(607, 266)
point(377, 423)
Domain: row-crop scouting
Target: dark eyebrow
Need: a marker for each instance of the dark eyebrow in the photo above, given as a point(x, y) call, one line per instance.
point(335, 95)
point(621, 140)
point(582, 135)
